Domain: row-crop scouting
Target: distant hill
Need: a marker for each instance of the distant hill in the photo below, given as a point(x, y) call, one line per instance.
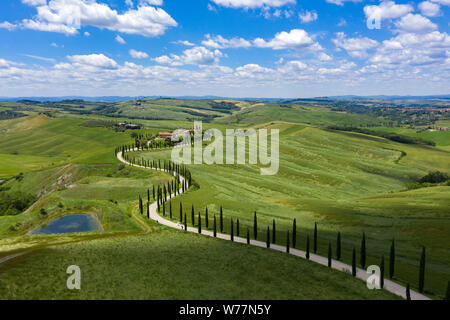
point(125, 98)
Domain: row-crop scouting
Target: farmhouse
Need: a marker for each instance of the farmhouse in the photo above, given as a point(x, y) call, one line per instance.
point(165, 135)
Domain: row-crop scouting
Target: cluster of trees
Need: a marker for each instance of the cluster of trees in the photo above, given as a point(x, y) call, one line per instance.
point(15, 202)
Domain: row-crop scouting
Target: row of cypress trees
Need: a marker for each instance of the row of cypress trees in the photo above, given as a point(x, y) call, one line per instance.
point(272, 234)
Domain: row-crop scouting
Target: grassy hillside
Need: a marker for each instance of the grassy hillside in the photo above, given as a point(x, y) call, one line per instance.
point(38, 142)
point(345, 182)
point(175, 265)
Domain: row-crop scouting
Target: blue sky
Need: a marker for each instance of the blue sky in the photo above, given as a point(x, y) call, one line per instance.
point(235, 48)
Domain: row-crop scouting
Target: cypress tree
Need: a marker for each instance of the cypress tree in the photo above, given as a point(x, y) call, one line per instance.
point(294, 234)
point(255, 227)
point(148, 195)
point(338, 247)
point(181, 212)
point(170, 212)
point(148, 210)
point(206, 218)
point(422, 271)
point(307, 247)
point(268, 238)
point(354, 262)
point(315, 237)
point(408, 292)
point(215, 227)
point(237, 227)
point(164, 209)
point(288, 242)
point(447, 294)
point(274, 232)
point(382, 272)
point(392, 259)
point(363, 251)
point(199, 223)
point(221, 219)
point(192, 216)
point(248, 236)
point(329, 254)
point(141, 208)
point(232, 230)
point(185, 222)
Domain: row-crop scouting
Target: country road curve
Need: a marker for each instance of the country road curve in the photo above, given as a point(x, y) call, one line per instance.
point(389, 285)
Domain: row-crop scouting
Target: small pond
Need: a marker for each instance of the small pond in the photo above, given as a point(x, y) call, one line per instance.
point(69, 224)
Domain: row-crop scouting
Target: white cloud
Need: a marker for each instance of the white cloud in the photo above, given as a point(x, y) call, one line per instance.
point(253, 71)
point(355, 47)
point(138, 54)
point(219, 42)
point(195, 56)
point(443, 2)
point(341, 2)
point(415, 23)
point(429, 9)
point(324, 57)
point(48, 27)
point(308, 16)
point(93, 60)
point(296, 38)
point(129, 3)
point(184, 43)
point(120, 40)
point(152, 2)
point(87, 34)
point(35, 2)
point(413, 49)
point(7, 25)
point(211, 8)
point(253, 3)
point(65, 16)
point(387, 10)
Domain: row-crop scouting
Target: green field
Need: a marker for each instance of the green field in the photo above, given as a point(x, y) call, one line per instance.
point(174, 265)
point(344, 181)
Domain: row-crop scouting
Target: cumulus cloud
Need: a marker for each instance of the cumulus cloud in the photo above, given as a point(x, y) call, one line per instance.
point(219, 42)
point(195, 56)
point(7, 25)
point(93, 60)
point(138, 54)
point(184, 43)
point(415, 23)
point(387, 10)
point(296, 38)
point(66, 16)
point(253, 3)
point(308, 16)
point(429, 9)
point(355, 47)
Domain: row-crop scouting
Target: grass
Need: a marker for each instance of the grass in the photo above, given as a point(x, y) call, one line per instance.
point(345, 182)
point(174, 265)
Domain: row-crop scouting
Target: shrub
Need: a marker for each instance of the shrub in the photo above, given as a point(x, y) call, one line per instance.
point(434, 177)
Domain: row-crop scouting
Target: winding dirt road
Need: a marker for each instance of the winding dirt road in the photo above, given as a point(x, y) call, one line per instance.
point(389, 285)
